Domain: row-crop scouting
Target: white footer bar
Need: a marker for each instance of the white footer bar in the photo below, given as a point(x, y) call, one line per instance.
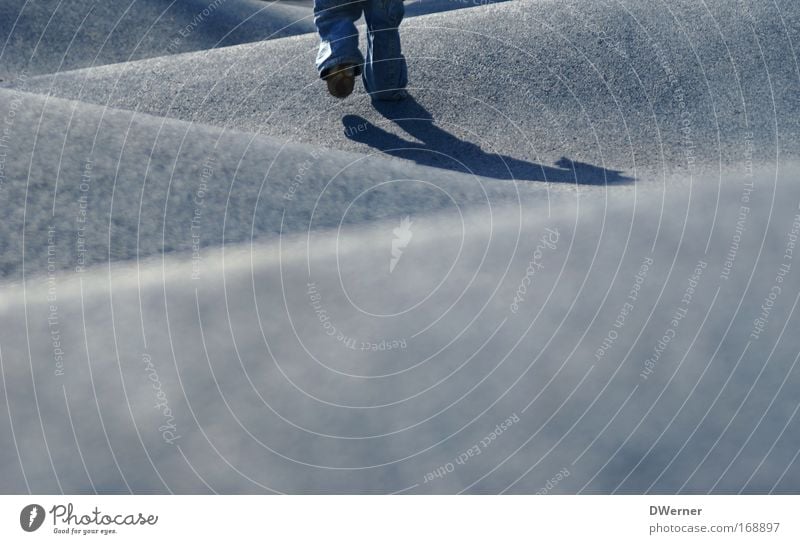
point(400, 519)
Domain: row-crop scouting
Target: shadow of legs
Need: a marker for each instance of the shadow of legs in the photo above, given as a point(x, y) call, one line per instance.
point(436, 147)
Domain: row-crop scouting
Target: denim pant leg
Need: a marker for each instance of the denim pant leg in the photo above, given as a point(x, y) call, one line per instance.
point(335, 21)
point(385, 72)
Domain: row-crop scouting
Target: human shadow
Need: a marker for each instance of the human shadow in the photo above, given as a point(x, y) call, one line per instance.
point(438, 148)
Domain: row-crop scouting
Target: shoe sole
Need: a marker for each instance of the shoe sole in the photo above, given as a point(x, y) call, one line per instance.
point(341, 81)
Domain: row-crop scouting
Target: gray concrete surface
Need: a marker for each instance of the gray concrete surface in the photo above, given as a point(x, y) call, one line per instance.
point(138, 185)
point(607, 85)
point(583, 229)
point(243, 347)
point(52, 36)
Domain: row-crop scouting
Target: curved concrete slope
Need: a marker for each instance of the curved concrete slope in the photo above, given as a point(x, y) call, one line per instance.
point(607, 85)
point(46, 37)
point(51, 36)
point(102, 185)
point(609, 342)
point(569, 264)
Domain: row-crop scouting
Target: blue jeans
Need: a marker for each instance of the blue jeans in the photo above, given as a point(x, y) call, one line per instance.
point(384, 72)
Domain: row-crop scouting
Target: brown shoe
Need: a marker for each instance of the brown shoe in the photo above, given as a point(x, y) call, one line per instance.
point(341, 80)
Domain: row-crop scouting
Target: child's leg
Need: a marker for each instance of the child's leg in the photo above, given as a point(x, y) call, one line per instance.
point(385, 73)
point(338, 35)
